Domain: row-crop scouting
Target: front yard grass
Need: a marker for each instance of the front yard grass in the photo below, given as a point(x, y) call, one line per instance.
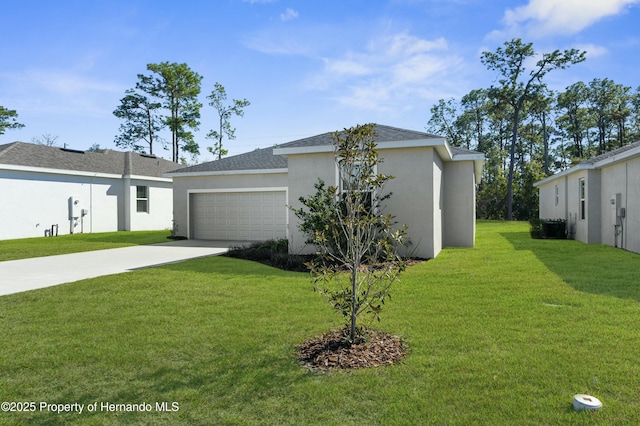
point(505, 333)
point(34, 247)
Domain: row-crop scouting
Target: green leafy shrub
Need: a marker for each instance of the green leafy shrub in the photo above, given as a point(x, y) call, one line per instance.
point(273, 253)
point(548, 228)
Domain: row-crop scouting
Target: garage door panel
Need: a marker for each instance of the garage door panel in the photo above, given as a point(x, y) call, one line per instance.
point(238, 216)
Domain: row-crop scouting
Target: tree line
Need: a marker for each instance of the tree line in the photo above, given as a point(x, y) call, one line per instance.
point(167, 98)
point(527, 131)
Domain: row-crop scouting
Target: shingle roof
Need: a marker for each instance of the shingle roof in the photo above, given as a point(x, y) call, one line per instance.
point(107, 161)
point(594, 160)
point(383, 134)
point(255, 160)
point(262, 159)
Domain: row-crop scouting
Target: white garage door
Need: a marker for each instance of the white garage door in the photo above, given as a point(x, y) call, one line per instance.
point(253, 216)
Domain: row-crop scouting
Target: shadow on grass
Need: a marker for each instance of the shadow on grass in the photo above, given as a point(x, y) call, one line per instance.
point(590, 268)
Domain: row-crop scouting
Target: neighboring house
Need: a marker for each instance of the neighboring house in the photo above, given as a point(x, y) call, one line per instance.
point(46, 190)
point(245, 197)
point(599, 199)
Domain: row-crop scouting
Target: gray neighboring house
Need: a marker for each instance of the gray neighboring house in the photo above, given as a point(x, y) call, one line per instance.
point(46, 189)
point(245, 197)
point(599, 198)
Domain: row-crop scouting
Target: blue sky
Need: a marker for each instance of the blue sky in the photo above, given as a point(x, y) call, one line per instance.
point(306, 66)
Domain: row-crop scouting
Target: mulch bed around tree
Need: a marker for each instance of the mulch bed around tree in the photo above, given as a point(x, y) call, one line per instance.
point(331, 351)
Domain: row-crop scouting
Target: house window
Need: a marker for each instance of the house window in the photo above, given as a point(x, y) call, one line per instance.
point(557, 195)
point(349, 179)
point(582, 195)
point(142, 199)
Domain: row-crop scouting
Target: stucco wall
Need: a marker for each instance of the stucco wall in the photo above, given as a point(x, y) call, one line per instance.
point(182, 185)
point(624, 179)
point(459, 219)
point(632, 221)
point(304, 171)
point(159, 215)
point(549, 208)
point(588, 229)
point(32, 202)
point(413, 200)
point(602, 186)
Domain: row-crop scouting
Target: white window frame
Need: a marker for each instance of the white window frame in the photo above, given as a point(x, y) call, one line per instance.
point(144, 199)
point(339, 180)
point(557, 194)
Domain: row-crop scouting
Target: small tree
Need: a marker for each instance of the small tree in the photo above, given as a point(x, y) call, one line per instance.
point(225, 112)
point(358, 257)
point(8, 119)
point(46, 139)
point(142, 122)
point(176, 87)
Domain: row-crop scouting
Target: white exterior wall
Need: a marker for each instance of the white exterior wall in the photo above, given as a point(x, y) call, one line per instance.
point(31, 201)
point(552, 207)
point(624, 179)
point(632, 221)
point(603, 183)
point(160, 206)
point(183, 186)
point(304, 171)
point(459, 219)
point(415, 199)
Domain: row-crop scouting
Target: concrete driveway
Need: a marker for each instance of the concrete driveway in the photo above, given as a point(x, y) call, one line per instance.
point(29, 274)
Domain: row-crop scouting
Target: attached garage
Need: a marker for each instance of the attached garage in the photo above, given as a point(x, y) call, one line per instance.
point(238, 216)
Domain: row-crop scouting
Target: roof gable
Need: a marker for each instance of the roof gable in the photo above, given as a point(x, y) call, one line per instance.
point(383, 134)
point(107, 161)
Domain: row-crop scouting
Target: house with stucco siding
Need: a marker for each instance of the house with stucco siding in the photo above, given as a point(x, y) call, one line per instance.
point(245, 197)
point(47, 190)
point(599, 198)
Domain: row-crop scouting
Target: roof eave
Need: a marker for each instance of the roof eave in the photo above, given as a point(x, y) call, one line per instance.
point(411, 143)
point(571, 170)
point(227, 172)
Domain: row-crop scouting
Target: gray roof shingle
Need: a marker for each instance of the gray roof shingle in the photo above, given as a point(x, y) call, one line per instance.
point(594, 160)
point(255, 160)
point(107, 161)
point(262, 159)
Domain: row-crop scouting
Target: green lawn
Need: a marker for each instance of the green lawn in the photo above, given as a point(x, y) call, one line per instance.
point(503, 334)
point(34, 247)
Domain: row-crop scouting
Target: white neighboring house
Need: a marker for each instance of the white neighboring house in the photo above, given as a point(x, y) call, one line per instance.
point(245, 197)
point(599, 198)
point(48, 190)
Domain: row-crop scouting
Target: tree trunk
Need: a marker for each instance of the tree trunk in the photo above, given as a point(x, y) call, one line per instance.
point(512, 156)
point(545, 138)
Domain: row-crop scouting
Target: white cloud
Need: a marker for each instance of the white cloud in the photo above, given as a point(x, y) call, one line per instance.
point(593, 50)
point(61, 92)
point(288, 15)
point(391, 73)
point(345, 67)
point(542, 17)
